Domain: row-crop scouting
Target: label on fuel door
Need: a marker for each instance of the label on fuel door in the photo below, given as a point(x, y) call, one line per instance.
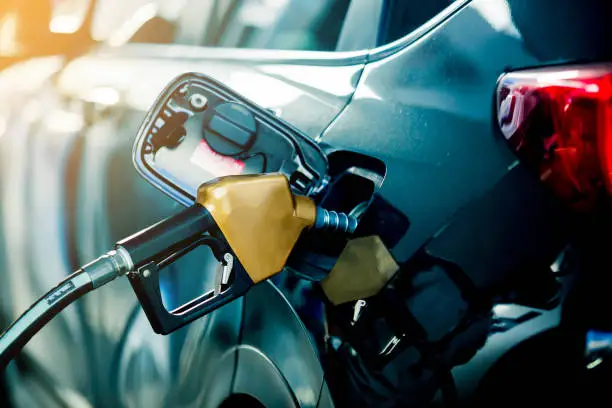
point(215, 163)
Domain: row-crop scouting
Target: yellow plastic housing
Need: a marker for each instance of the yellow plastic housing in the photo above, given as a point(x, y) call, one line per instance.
point(260, 218)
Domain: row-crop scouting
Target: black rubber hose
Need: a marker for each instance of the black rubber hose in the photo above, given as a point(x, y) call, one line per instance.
point(39, 314)
point(91, 276)
point(154, 242)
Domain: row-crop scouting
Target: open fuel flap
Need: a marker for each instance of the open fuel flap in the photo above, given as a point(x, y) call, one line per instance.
point(199, 130)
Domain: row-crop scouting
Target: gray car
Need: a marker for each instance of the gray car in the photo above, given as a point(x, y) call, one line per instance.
point(402, 90)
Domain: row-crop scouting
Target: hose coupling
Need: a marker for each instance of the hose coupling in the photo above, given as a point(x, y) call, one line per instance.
point(335, 221)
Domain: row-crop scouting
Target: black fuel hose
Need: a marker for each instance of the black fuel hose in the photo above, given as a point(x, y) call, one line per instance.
point(153, 243)
point(86, 279)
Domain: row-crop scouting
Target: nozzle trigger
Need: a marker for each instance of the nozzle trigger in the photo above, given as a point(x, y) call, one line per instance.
point(224, 272)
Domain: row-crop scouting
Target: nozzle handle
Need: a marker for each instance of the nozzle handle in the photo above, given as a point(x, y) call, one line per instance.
point(157, 247)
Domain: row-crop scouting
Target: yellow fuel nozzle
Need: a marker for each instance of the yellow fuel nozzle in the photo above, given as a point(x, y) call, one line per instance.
point(260, 218)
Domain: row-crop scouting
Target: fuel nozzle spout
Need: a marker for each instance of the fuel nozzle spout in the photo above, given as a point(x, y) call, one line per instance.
point(335, 221)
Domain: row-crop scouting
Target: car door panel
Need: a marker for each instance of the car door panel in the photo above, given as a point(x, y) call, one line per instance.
point(275, 341)
point(192, 367)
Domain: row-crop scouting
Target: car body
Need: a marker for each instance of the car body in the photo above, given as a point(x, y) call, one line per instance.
point(418, 99)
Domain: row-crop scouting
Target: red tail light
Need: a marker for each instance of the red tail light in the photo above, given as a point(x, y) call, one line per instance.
point(558, 120)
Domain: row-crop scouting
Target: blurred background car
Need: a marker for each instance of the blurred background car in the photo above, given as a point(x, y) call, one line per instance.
point(409, 82)
point(42, 27)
